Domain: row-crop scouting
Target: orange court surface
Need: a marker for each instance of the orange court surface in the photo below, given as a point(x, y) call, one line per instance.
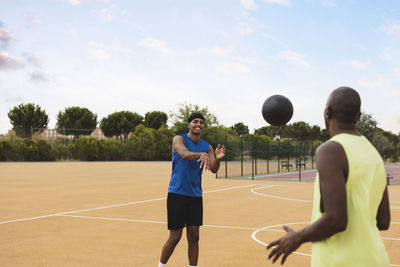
point(114, 214)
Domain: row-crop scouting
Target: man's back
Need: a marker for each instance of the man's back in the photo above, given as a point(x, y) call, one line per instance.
point(360, 244)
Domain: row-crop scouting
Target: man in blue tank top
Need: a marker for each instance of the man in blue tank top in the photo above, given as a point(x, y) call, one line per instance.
point(190, 155)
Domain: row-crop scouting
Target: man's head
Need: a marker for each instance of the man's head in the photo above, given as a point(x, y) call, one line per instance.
point(343, 108)
point(196, 123)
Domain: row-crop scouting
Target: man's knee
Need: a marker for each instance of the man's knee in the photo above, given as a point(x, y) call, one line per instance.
point(175, 236)
point(193, 234)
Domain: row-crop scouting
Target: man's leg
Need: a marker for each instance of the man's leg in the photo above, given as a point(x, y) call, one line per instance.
point(173, 240)
point(192, 233)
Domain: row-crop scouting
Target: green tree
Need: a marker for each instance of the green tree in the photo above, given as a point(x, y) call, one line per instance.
point(240, 128)
point(6, 150)
point(299, 129)
point(382, 144)
point(180, 118)
point(142, 144)
point(367, 126)
point(272, 131)
point(120, 124)
point(76, 121)
point(28, 119)
point(163, 139)
point(155, 119)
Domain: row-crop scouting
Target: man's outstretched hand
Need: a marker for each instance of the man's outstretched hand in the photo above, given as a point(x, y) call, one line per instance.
point(284, 246)
point(220, 152)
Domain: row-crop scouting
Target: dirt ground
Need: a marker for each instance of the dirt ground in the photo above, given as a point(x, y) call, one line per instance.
point(114, 214)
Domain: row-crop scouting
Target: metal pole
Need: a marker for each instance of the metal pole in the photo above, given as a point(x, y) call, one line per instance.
point(312, 156)
point(241, 156)
point(252, 158)
point(298, 158)
point(267, 158)
point(255, 155)
point(279, 158)
point(226, 160)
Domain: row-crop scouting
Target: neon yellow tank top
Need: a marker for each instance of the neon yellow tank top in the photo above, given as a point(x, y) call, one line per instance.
point(360, 245)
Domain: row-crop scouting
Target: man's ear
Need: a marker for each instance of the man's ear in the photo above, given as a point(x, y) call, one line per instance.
point(358, 116)
point(328, 113)
point(188, 125)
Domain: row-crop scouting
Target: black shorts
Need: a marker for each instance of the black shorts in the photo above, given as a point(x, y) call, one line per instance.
point(184, 211)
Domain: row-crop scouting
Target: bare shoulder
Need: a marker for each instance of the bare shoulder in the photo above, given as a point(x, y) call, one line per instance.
point(178, 138)
point(331, 154)
point(330, 148)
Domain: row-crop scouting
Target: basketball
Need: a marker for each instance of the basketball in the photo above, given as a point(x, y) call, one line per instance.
point(277, 110)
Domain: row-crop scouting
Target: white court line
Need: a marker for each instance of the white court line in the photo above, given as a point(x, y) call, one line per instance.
point(278, 225)
point(117, 205)
point(265, 195)
point(295, 252)
point(146, 221)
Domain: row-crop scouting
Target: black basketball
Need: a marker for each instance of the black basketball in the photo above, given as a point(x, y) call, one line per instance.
point(277, 110)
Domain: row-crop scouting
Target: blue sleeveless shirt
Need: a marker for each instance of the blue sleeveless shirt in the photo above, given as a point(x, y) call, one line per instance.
point(186, 174)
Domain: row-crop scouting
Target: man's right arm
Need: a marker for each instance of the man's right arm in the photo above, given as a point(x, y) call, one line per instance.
point(179, 147)
point(383, 215)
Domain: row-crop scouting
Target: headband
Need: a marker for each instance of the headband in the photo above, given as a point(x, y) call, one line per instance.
point(195, 116)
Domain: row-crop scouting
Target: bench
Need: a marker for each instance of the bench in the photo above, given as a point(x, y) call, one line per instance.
point(388, 177)
point(286, 164)
point(299, 164)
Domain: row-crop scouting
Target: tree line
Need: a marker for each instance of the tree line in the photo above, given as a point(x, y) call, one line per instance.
point(148, 137)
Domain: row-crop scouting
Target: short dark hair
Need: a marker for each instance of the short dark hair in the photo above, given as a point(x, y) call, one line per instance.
point(195, 115)
point(345, 103)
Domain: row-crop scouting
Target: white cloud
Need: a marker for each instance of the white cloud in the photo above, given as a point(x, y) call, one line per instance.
point(392, 29)
point(248, 4)
point(14, 99)
point(248, 60)
point(7, 62)
point(5, 37)
point(329, 3)
point(37, 76)
point(32, 58)
point(155, 44)
point(234, 68)
point(360, 65)
point(74, 2)
point(73, 32)
point(31, 17)
point(98, 45)
point(99, 53)
point(293, 58)
point(397, 70)
point(362, 47)
point(220, 51)
point(379, 82)
point(279, 2)
point(105, 14)
point(388, 54)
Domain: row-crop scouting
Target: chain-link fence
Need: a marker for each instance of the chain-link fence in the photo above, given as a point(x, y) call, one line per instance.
point(250, 157)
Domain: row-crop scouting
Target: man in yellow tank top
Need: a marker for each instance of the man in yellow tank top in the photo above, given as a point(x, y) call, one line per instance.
point(351, 203)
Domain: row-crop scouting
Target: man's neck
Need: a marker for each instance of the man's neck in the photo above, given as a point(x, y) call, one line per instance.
point(195, 137)
point(336, 128)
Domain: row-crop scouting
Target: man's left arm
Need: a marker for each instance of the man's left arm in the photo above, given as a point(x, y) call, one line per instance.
point(331, 160)
point(216, 159)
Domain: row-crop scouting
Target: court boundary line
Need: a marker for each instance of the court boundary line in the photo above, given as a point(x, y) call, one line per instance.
point(277, 197)
point(116, 205)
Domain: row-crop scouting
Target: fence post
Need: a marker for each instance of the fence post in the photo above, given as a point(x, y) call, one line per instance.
point(252, 158)
point(267, 157)
point(255, 155)
point(312, 156)
point(241, 156)
point(279, 156)
point(226, 158)
point(298, 158)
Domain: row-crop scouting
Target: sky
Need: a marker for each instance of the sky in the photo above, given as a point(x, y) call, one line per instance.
point(227, 55)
